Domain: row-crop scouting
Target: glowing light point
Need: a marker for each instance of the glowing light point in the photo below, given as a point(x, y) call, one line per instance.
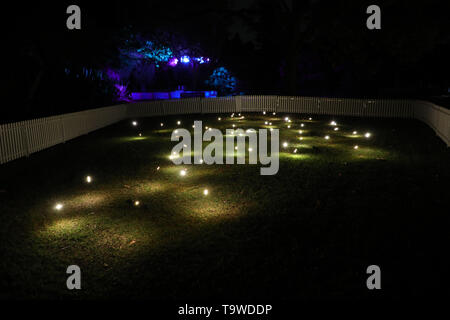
point(137, 203)
point(264, 112)
point(157, 169)
point(274, 113)
point(270, 123)
point(219, 118)
point(201, 161)
point(355, 147)
point(333, 123)
point(234, 126)
point(134, 123)
point(327, 137)
point(336, 129)
point(140, 134)
point(367, 135)
point(285, 144)
point(302, 125)
point(266, 122)
point(88, 179)
point(355, 132)
point(205, 192)
point(289, 127)
point(300, 131)
point(250, 149)
point(183, 172)
point(286, 119)
point(185, 59)
point(162, 124)
point(58, 206)
point(235, 148)
point(178, 122)
point(295, 150)
point(310, 119)
point(301, 138)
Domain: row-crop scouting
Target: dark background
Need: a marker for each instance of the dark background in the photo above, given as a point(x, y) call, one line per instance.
point(316, 48)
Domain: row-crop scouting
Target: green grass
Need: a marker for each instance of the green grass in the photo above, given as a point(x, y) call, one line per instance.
point(308, 232)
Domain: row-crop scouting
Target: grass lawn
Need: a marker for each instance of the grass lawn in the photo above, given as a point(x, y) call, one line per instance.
point(309, 231)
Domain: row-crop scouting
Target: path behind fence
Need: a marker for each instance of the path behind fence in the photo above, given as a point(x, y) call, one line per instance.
point(23, 138)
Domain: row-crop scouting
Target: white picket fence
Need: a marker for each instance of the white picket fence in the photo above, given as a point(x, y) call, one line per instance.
point(26, 137)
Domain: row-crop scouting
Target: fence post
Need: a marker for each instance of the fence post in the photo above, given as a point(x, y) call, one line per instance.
point(238, 102)
point(25, 139)
point(62, 130)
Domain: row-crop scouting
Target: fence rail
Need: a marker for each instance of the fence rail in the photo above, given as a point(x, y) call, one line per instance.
point(23, 138)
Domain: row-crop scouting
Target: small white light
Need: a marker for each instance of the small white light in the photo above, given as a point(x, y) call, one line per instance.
point(295, 150)
point(176, 131)
point(178, 122)
point(285, 144)
point(289, 127)
point(302, 125)
point(193, 126)
point(209, 129)
point(367, 135)
point(301, 138)
point(234, 125)
point(289, 120)
point(354, 132)
point(185, 145)
point(157, 169)
point(140, 134)
point(300, 131)
point(137, 203)
point(327, 137)
point(134, 123)
point(274, 113)
point(336, 129)
point(58, 206)
point(239, 114)
point(286, 119)
point(266, 122)
point(88, 179)
point(201, 161)
point(333, 123)
point(219, 118)
point(183, 172)
point(205, 192)
point(310, 119)
point(271, 129)
point(264, 112)
point(355, 147)
point(206, 127)
point(162, 124)
point(235, 148)
point(270, 123)
point(250, 149)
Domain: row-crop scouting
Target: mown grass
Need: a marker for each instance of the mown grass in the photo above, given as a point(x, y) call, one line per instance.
point(308, 232)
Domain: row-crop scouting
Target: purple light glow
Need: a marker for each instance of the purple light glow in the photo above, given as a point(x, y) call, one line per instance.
point(173, 62)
